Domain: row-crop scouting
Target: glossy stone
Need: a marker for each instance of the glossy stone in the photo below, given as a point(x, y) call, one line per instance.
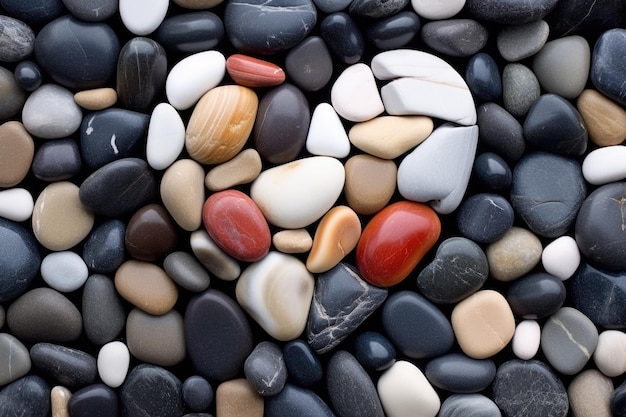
point(309, 64)
point(303, 365)
point(40, 11)
point(15, 359)
point(66, 366)
point(150, 233)
point(92, 10)
point(343, 37)
point(104, 251)
point(493, 171)
point(190, 33)
point(151, 390)
point(374, 351)
point(97, 399)
point(296, 401)
point(461, 374)
point(197, 393)
point(510, 11)
point(102, 310)
point(394, 31)
point(159, 340)
point(478, 405)
point(28, 75)
point(29, 395)
point(253, 72)
point(57, 160)
point(146, 286)
point(606, 72)
point(455, 37)
point(16, 39)
point(485, 217)
point(186, 271)
point(599, 295)
point(500, 131)
point(265, 369)
point(536, 296)
point(483, 77)
point(19, 260)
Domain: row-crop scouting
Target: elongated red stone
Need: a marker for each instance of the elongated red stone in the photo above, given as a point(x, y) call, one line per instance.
point(395, 240)
point(253, 72)
point(236, 225)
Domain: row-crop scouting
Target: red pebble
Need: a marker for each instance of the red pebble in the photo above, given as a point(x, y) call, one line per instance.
point(253, 72)
point(237, 225)
point(395, 240)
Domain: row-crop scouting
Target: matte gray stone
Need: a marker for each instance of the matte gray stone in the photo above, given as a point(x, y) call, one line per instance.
point(71, 368)
point(265, 369)
point(27, 396)
point(14, 358)
point(186, 271)
point(520, 89)
point(455, 37)
point(103, 312)
point(92, 10)
point(517, 42)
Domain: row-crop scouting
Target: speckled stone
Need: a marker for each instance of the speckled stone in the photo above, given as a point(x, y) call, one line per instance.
point(590, 394)
point(69, 367)
point(510, 11)
point(607, 74)
point(376, 9)
point(104, 251)
point(158, 340)
point(19, 259)
point(515, 254)
point(516, 42)
point(151, 391)
point(27, 396)
point(102, 309)
point(455, 37)
point(17, 39)
point(520, 89)
point(500, 131)
point(265, 369)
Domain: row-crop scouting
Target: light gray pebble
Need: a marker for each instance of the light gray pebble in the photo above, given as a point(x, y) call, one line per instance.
point(520, 89)
point(518, 42)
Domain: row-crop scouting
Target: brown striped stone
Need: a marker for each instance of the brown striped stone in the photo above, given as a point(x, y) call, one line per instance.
point(253, 72)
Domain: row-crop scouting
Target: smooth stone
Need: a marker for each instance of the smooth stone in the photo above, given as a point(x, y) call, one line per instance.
point(500, 132)
point(57, 160)
point(599, 294)
point(355, 96)
point(253, 72)
point(483, 77)
point(93, 67)
point(186, 271)
point(50, 112)
point(16, 204)
point(119, 187)
point(510, 11)
point(59, 399)
point(458, 270)
point(370, 183)
point(520, 89)
point(343, 36)
point(281, 124)
point(292, 241)
point(103, 312)
point(599, 234)
point(492, 171)
point(457, 373)
point(96, 399)
point(483, 324)
point(19, 259)
point(182, 193)
point(29, 395)
point(17, 149)
point(393, 32)
point(458, 405)
point(40, 11)
point(158, 340)
point(485, 217)
point(536, 296)
point(198, 4)
point(514, 255)
point(610, 354)
point(603, 165)
point(44, 315)
point(374, 351)
point(111, 134)
point(517, 42)
point(590, 394)
point(454, 145)
point(404, 391)
point(151, 390)
point(3, 317)
point(69, 367)
point(193, 76)
point(376, 9)
point(28, 75)
point(586, 17)
point(144, 16)
point(416, 326)
point(342, 301)
point(113, 363)
point(326, 135)
point(562, 66)
point(265, 369)
point(96, 98)
point(146, 286)
point(14, 357)
point(303, 365)
point(437, 10)
point(526, 339)
point(60, 220)
point(92, 10)
point(216, 361)
point(190, 33)
point(64, 271)
point(561, 257)
point(296, 401)
point(215, 260)
point(309, 64)
point(607, 75)
point(244, 168)
point(13, 96)
point(618, 401)
point(455, 37)
point(141, 70)
point(237, 397)
point(331, 6)
point(150, 233)
point(277, 292)
point(605, 120)
point(197, 393)
point(17, 39)
point(104, 250)
point(351, 390)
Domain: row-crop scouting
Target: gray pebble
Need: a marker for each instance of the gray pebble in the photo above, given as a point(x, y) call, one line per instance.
point(103, 312)
point(520, 89)
point(92, 10)
point(518, 42)
point(455, 37)
point(3, 316)
point(50, 112)
point(12, 97)
point(159, 340)
point(265, 369)
point(14, 358)
point(17, 39)
point(462, 405)
point(331, 6)
point(186, 271)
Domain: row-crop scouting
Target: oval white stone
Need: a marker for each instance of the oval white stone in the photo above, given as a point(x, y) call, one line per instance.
point(610, 354)
point(113, 362)
point(50, 112)
point(355, 95)
point(437, 10)
point(16, 204)
point(605, 165)
point(404, 391)
point(193, 76)
point(526, 339)
point(64, 271)
point(166, 136)
point(327, 136)
point(143, 17)
point(296, 194)
point(561, 257)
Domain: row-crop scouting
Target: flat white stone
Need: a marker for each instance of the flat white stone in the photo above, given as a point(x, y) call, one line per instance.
point(50, 112)
point(404, 391)
point(526, 339)
point(166, 136)
point(610, 354)
point(64, 271)
point(218, 262)
point(327, 136)
point(16, 204)
point(143, 17)
point(437, 9)
point(355, 95)
point(438, 170)
point(193, 76)
point(561, 257)
point(113, 362)
point(277, 292)
point(298, 193)
point(604, 165)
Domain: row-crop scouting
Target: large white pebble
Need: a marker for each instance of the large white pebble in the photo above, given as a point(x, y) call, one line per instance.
point(64, 271)
point(610, 354)
point(604, 165)
point(355, 95)
point(561, 257)
point(50, 112)
point(526, 339)
point(166, 136)
point(193, 76)
point(143, 17)
point(296, 194)
point(16, 204)
point(404, 391)
point(437, 9)
point(327, 136)
point(113, 363)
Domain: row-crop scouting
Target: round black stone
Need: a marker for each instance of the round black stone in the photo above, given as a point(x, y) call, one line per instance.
point(485, 217)
point(104, 248)
point(493, 171)
point(94, 400)
point(374, 351)
point(151, 391)
point(500, 131)
point(197, 393)
point(303, 366)
point(28, 75)
point(482, 76)
point(394, 31)
point(68, 367)
point(343, 37)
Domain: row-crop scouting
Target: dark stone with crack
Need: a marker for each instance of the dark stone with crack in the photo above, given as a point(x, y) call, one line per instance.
point(265, 369)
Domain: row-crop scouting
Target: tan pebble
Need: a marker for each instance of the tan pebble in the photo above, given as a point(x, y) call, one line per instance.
point(96, 99)
point(515, 254)
point(336, 236)
point(483, 324)
point(198, 4)
point(237, 398)
point(16, 153)
point(60, 220)
point(370, 183)
point(605, 120)
point(293, 241)
point(590, 394)
point(182, 192)
point(388, 137)
point(59, 399)
point(221, 123)
point(146, 286)
point(242, 169)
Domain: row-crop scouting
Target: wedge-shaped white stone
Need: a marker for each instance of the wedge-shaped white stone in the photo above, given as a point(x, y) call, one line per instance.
point(142, 17)
point(166, 136)
point(438, 170)
point(192, 77)
point(327, 136)
point(604, 165)
point(355, 95)
point(404, 391)
point(16, 204)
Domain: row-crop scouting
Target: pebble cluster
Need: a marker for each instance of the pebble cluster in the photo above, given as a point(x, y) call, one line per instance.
point(312, 208)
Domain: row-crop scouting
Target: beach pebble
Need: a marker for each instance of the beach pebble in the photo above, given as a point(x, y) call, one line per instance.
point(96, 398)
point(404, 390)
point(607, 75)
point(292, 241)
point(618, 401)
point(96, 98)
point(561, 257)
point(394, 31)
point(603, 165)
point(13, 96)
point(212, 257)
point(69, 367)
point(182, 192)
point(150, 233)
point(485, 217)
point(444, 36)
point(610, 354)
point(190, 33)
point(376, 9)
point(17, 39)
point(526, 339)
point(50, 112)
point(16, 204)
point(562, 66)
point(166, 136)
point(64, 271)
point(437, 10)
point(511, 11)
point(520, 89)
point(186, 271)
point(28, 75)
point(605, 119)
point(515, 254)
point(104, 248)
point(113, 361)
point(59, 399)
point(590, 394)
point(151, 390)
point(265, 369)
point(197, 393)
point(198, 4)
point(455, 372)
point(144, 16)
point(303, 365)
point(492, 171)
point(458, 405)
point(92, 10)
point(102, 309)
point(14, 357)
point(517, 42)
point(483, 77)
point(29, 395)
point(236, 397)
point(158, 340)
point(500, 131)
point(327, 136)
point(309, 64)
point(296, 401)
point(146, 286)
point(57, 160)
point(17, 149)
point(536, 295)
point(374, 351)
point(355, 96)
point(343, 36)
point(242, 169)
point(370, 183)
point(253, 72)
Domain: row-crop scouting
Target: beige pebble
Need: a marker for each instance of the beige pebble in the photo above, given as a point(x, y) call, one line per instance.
point(237, 398)
point(605, 120)
point(292, 241)
point(16, 153)
point(60, 220)
point(159, 340)
point(370, 183)
point(198, 4)
point(388, 137)
point(336, 236)
point(514, 254)
point(590, 394)
point(242, 169)
point(96, 99)
point(59, 399)
point(146, 286)
point(483, 324)
point(182, 192)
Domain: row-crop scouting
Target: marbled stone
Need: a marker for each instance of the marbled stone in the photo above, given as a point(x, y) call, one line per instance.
point(520, 89)
point(404, 391)
point(19, 259)
point(394, 31)
point(142, 17)
point(536, 296)
point(151, 390)
point(526, 340)
point(303, 365)
point(590, 394)
point(606, 72)
point(455, 37)
point(605, 119)
point(500, 131)
point(493, 171)
point(182, 192)
point(237, 397)
point(190, 33)
point(28, 75)
point(57, 160)
point(212, 257)
point(477, 405)
point(510, 11)
point(374, 351)
point(562, 66)
point(17, 39)
point(96, 399)
point(370, 183)
point(113, 363)
point(244, 168)
point(103, 250)
point(610, 354)
point(16, 153)
point(92, 10)
point(13, 96)
point(158, 340)
point(96, 98)
point(51, 113)
point(355, 96)
point(517, 42)
point(69, 367)
point(455, 372)
point(197, 393)
point(146, 286)
point(14, 358)
point(376, 9)
point(483, 77)
point(103, 312)
point(485, 217)
point(253, 72)
point(265, 369)
point(186, 271)
point(309, 64)
point(515, 254)
point(343, 36)
point(29, 395)
point(296, 401)
point(64, 271)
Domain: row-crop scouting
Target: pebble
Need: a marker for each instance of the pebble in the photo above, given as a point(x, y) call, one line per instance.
point(483, 324)
point(292, 241)
point(237, 397)
point(536, 296)
point(617, 401)
point(520, 89)
point(244, 168)
point(394, 31)
point(561, 257)
point(455, 37)
point(113, 362)
point(277, 292)
point(59, 399)
point(213, 258)
point(103, 312)
point(198, 4)
point(28, 75)
point(29, 395)
point(374, 351)
point(603, 118)
point(355, 96)
point(500, 132)
point(158, 340)
point(327, 136)
point(50, 112)
point(186, 271)
point(515, 254)
point(69, 367)
point(610, 354)
point(457, 373)
point(309, 64)
point(142, 17)
point(150, 233)
point(3, 316)
point(483, 77)
point(517, 42)
point(437, 10)
point(607, 74)
point(253, 72)
point(303, 366)
point(602, 165)
point(14, 357)
point(582, 16)
point(526, 340)
point(104, 249)
point(190, 33)
point(370, 183)
point(57, 160)
point(404, 391)
point(485, 217)
point(511, 11)
point(94, 399)
point(342, 301)
point(16, 153)
point(182, 193)
point(151, 390)
point(16, 204)
point(376, 9)
point(343, 36)
point(265, 369)
point(197, 393)
point(17, 39)
point(492, 171)
point(562, 66)
point(590, 394)
point(64, 271)
point(146, 286)
point(96, 98)
point(43, 12)
point(92, 10)
point(330, 6)
point(458, 405)
point(13, 97)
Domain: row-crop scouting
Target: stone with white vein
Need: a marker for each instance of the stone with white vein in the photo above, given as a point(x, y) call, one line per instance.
point(166, 136)
point(404, 391)
point(16, 204)
point(193, 76)
point(143, 17)
point(327, 136)
point(113, 363)
point(604, 165)
point(355, 95)
point(64, 271)
point(561, 257)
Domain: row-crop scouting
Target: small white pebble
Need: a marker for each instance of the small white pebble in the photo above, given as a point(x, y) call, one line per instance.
point(16, 204)
point(113, 362)
point(526, 339)
point(610, 354)
point(561, 257)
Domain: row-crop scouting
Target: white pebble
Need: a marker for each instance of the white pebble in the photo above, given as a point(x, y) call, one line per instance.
point(16, 204)
point(50, 112)
point(526, 339)
point(610, 354)
point(604, 165)
point(437, 10)
point(64, 271)
point(166, 136)
point(143, 17)
point(404, 391)
point(561, 257)
point(113, 362)
point(327, 136)
point(193, 76)
point(355, 95)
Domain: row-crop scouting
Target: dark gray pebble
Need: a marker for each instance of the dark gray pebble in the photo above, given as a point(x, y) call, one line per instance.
point(19, 259)
point(186, 271)
point(374, 351)
point(151, 391)
point(343, 37)
point(455, 37)
point(395, 31)
point(57, 160)
point(500, 132)
point(482, 76)
point(28, 396)
point(463, 405)
point(485, 217)
point(376, 9)
point(295, 401)
point(33, 11)
point(303, 365)
point(103, 312)
point(69, 367)
point(493, 171)
point(607, 70)
point(460, 374)
point(536, 296)
point(331, 6)
point(512, 12)
point(265, 369)
point(94, 400)
point(92, 10)
point(310, 64)
point(13, 96)
point(190, 33)
point(104, 249)
point(618, 401)
point(197, 393)
point(28, 75)
point(587, 17)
